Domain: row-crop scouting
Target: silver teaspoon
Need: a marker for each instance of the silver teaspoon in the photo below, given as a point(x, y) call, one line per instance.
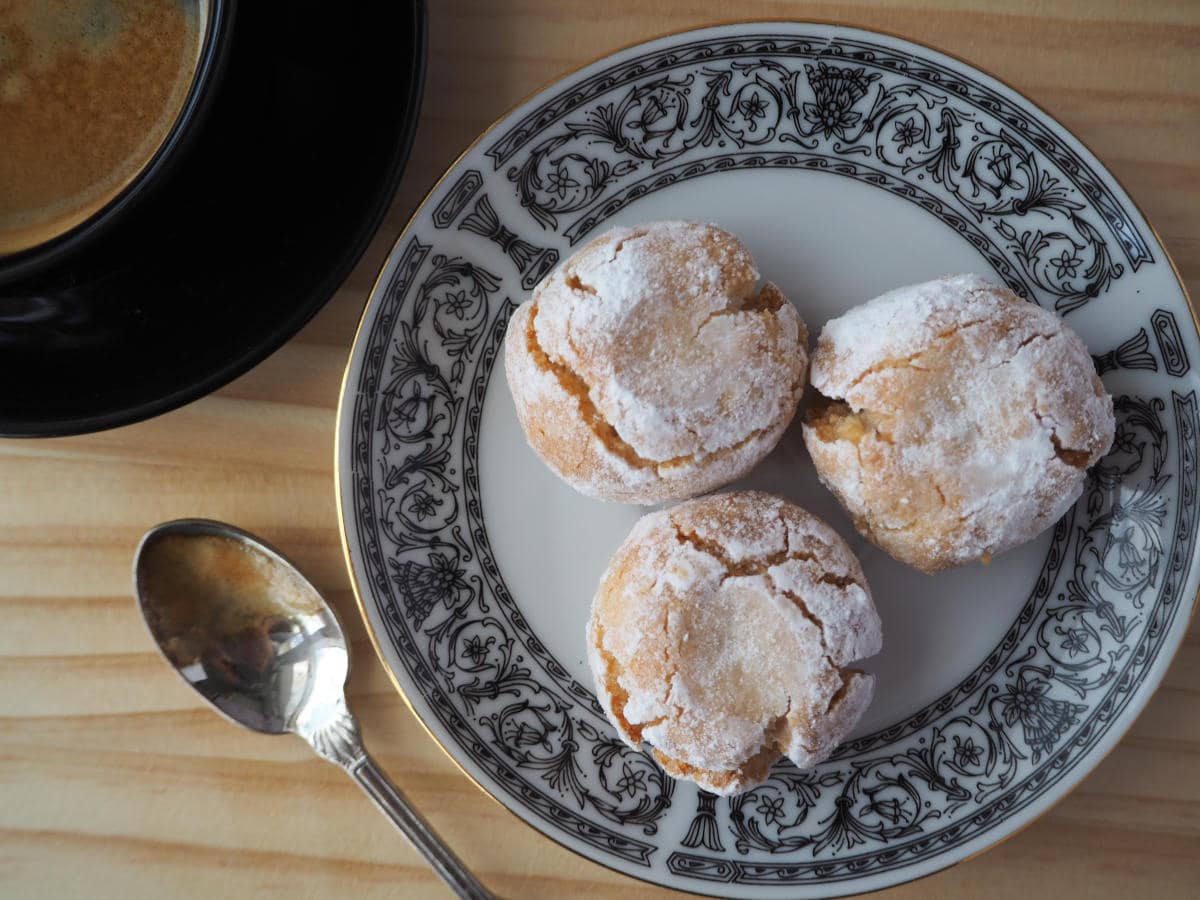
point(243, 627)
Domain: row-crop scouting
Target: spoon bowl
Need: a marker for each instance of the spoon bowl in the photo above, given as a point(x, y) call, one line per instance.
point(277, 665)
point(240, 624)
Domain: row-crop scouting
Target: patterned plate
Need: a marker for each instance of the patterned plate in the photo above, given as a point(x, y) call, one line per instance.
point(850, 162)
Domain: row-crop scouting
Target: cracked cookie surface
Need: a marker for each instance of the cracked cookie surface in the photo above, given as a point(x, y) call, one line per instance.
point(722, 634)
point(651, 366)
point(955, 420)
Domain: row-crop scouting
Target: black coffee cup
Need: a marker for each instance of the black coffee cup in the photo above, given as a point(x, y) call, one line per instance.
point(283, 167)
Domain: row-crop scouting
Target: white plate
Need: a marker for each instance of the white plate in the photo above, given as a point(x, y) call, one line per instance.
point(850, 162)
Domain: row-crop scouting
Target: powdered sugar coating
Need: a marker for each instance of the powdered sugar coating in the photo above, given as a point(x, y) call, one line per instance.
point(649, 367)
point(967, 421)
point(720, 634)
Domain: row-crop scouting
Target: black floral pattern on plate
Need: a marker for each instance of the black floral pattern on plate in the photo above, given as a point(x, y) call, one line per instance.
point(964, 156)
point(1101, 606)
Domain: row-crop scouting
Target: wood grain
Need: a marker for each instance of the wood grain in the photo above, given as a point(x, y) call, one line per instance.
point(114, 781)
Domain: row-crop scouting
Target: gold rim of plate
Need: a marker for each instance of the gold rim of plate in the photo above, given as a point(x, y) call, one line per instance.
point(369, 302)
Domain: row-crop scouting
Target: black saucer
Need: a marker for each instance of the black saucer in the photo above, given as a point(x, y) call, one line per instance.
point(265, 213)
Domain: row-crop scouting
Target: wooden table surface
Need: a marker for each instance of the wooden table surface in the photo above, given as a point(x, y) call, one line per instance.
point(117, 782)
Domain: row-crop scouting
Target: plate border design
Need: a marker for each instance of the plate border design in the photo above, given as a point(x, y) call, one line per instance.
point(557, 106)
point(532, 262)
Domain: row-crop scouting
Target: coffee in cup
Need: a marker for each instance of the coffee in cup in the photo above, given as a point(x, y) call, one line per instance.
point(89, 92)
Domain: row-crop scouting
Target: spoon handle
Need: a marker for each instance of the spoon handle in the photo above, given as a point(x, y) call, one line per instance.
point(394, 805)
point(333, 732)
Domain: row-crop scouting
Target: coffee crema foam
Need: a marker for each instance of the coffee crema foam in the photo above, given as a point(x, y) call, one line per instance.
point(89, 91)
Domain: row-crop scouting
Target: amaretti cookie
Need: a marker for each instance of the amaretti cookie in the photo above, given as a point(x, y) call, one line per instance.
point(955, 421)
point(651, 366)
point(722, 634)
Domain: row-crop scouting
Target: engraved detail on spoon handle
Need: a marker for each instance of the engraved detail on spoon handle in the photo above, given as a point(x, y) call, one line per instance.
point(333, 732)
point(336, 737)
point(394, 805)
